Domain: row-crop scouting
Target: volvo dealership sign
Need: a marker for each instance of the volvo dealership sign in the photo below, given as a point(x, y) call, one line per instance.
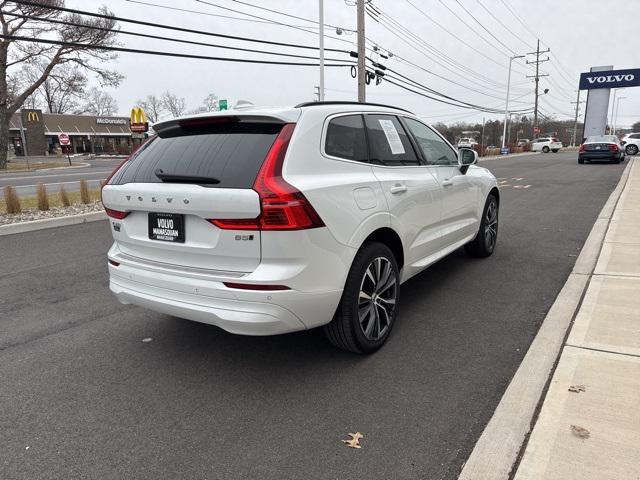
point(610, 79)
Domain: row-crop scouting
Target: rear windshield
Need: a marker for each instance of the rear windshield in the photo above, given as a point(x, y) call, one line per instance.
point(601, 138)
point(231, 153)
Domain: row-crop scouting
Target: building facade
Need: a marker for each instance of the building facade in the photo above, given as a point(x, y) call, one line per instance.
point(32, 132)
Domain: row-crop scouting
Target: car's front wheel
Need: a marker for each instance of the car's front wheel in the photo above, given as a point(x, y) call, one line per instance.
point(555, 150)
point(545, 149)
point(631, 149)
point(485, 242)
point(369, 302)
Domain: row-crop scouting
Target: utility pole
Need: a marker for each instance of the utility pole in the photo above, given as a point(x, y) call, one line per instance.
point(482, 140)
point(537, 76)
point(321, 35)
point(362, 72)
point(575, 121)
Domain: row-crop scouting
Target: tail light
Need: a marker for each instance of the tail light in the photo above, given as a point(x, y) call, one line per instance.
point(282, 206)
point(117, 214)
point(582, 148)
point(613, 148)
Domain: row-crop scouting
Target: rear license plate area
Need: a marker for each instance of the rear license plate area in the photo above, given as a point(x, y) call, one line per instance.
point(166, 227)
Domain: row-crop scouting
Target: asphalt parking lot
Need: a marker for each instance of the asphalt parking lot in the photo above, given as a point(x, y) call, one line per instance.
point(26, 182)
point(82, 396)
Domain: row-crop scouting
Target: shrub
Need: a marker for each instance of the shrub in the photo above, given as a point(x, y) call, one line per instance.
point(84, 192)
point(43, 200)
point(11, 200)
point(64, 197)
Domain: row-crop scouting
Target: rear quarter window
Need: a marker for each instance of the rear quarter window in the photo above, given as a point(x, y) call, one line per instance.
point(346, 138)
point(233, 153)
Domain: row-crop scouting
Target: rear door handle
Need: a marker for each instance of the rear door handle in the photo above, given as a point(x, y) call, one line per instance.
point(447, 183)
point(398, 189)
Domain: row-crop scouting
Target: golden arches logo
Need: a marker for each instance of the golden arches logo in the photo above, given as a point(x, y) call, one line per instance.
point(33, 117)
point(138, 115)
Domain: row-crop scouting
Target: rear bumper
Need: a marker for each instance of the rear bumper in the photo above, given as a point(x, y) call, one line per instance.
point(604, 156)
point(206, 299)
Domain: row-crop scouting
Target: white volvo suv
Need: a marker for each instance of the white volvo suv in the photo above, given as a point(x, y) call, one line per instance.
point(266, 221)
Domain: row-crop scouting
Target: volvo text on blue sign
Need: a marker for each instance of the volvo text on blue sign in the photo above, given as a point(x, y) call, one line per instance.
point(610, 79)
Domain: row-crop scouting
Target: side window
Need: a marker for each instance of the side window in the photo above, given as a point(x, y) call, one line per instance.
point(388, 142)
point(635, 135)
point(434, 149)
point(346, 138)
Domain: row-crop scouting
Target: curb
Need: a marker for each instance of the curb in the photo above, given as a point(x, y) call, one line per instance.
point(23, 227)
point(498, 449)
point(79, 165)
point(511, 155)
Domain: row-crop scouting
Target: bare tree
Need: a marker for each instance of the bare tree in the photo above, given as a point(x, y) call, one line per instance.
point(18, 56)
point(100, 103)
point(62, 90)
point(175, 105)
point(210, 103)
point(153, 107)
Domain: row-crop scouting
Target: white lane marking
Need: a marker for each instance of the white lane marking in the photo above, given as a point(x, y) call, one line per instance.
point(101, 172)
point(521, 186)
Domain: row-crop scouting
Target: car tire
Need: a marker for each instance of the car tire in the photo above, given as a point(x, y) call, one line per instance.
point(616, 160)
point(580, 161)
point(545, 149)
point(485, 241)
point(555, 150)
point(368, 307)
point(631, 150)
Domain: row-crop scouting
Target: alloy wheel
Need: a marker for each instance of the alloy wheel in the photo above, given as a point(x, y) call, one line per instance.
point(377, 298)
point(632, 149)
point(491, 225)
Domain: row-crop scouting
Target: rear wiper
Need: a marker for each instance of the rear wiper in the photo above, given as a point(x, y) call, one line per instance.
point(179, 178)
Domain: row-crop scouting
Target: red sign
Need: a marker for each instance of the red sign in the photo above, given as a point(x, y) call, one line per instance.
point(140, 127)
point(536, 130)
point(64, 139)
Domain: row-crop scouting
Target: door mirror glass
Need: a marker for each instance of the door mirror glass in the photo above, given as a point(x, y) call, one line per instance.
point(467, 156)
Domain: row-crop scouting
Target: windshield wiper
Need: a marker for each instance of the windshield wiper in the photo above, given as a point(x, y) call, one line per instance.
point(180, 178)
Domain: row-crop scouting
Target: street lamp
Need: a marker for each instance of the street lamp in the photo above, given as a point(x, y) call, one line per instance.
point(506, 103)
point(615, 115)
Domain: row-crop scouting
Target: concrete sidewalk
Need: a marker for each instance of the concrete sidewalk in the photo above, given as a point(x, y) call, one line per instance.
point(589, 423)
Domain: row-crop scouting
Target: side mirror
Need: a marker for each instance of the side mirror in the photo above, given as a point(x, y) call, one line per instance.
point(466, 157)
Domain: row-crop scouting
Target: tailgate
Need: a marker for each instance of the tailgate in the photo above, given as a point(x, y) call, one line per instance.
point(181, 234)
point(196, 170)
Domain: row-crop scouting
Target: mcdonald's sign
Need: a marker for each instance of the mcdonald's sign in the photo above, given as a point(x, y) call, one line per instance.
point(33, 117)
point(138, 121)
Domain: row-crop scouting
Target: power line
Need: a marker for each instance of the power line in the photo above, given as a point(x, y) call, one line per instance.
point(168, 39)
point(418, 40)
point(303, 29)
point(172, 27)
point(485, 28)
point(278, 12)
point(503, 25)
point(517, 17)
point(208, 14)
point(89, 46)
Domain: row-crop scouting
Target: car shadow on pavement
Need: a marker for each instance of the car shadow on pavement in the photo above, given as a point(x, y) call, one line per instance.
point(208, 341)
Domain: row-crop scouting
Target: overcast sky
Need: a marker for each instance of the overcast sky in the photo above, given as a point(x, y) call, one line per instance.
point(580, 33)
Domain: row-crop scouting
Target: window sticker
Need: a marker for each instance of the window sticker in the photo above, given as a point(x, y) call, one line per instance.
point(389, 129)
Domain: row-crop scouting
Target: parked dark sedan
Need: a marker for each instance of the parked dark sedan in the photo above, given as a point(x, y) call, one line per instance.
point(601, 148)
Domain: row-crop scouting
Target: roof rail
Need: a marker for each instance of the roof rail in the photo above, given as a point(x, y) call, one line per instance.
point(338, 102)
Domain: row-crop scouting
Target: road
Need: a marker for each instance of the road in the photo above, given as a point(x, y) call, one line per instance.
point(82, 396)
point(25, 182)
